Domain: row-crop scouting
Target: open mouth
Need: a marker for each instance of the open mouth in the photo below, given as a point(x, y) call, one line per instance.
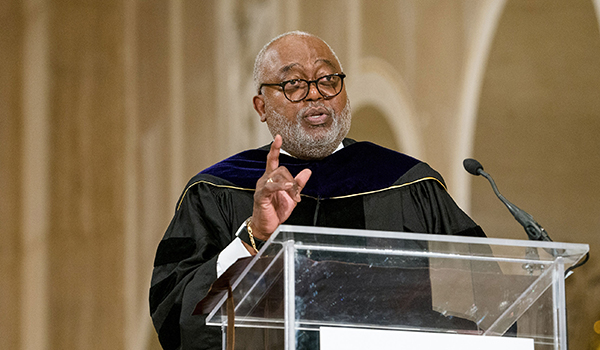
point(316, 116)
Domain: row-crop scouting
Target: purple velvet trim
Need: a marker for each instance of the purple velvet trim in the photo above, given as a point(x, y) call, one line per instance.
point(357, 168)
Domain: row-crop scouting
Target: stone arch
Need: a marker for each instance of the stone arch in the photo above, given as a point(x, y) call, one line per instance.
point(475, 64)
point(380, 86)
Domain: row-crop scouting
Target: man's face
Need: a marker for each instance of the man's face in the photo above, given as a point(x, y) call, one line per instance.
point(311, 128)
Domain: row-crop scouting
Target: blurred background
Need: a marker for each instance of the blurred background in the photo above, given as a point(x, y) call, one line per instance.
point(108, 107)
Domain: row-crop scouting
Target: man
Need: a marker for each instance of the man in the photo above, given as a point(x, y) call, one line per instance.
point(309, 175)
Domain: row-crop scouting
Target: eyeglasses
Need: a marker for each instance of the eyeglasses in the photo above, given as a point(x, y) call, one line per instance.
point(296, 90)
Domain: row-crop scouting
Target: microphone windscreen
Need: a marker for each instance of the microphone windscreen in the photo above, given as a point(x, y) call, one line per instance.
point(472, 166)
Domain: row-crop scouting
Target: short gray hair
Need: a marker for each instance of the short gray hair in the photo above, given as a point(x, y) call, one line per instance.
point(258, 73)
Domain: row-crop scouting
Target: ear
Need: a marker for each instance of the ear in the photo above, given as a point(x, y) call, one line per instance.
point(259, 106)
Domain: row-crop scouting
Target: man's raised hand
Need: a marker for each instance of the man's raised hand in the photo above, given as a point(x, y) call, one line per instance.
point(277, 193)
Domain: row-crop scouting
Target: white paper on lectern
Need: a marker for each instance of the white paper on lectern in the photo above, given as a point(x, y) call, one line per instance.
point(335, 338)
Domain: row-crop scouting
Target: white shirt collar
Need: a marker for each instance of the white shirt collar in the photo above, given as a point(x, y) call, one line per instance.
point(341, 145)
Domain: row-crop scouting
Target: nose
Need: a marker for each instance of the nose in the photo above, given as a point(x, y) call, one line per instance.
point(313, 92)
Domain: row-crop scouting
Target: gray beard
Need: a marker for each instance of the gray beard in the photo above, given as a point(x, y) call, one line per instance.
point(304, 145)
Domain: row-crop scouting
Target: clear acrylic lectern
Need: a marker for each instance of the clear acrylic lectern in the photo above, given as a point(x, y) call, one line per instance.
point(305, 278)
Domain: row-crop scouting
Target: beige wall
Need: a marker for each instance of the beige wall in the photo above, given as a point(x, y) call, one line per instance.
point(108, 107)
point(537, 133)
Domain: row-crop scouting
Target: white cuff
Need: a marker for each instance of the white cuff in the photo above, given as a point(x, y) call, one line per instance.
point(235, 250)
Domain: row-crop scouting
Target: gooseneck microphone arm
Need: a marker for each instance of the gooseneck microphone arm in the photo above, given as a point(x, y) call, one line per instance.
point(534, 230)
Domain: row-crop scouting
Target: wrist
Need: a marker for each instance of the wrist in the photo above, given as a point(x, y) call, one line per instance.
point(248, 235)
point(257, 230)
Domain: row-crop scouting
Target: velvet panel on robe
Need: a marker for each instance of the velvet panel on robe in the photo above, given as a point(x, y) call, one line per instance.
point(362, 186)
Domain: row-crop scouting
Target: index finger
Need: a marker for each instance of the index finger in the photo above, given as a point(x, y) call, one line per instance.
point(273, 156)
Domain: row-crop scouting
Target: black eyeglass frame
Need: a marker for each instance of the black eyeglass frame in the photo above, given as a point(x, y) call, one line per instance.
point(308, 82)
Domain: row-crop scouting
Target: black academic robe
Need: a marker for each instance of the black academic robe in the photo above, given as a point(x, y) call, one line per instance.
point(362, 186)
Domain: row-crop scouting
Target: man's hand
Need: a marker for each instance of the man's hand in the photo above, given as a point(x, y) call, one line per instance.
point(277, 194)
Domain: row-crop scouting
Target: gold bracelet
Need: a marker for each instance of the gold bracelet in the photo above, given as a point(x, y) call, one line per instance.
point(249, 229)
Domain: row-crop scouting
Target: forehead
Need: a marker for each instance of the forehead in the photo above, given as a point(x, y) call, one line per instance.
point(303, 54)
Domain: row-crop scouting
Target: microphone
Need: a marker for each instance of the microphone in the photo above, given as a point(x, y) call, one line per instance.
point(534, 230)
point(472, 166)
